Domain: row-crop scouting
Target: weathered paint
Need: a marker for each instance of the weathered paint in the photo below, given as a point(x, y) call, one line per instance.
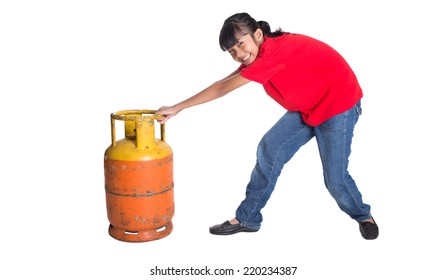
point(139, 181)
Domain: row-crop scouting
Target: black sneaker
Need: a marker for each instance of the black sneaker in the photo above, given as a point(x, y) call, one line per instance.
point(369, 230)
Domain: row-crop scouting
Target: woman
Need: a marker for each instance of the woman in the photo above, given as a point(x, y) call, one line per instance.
point(322, 97)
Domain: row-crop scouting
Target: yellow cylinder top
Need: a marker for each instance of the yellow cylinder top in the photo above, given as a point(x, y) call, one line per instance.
point(140, 145)
point(126, 149)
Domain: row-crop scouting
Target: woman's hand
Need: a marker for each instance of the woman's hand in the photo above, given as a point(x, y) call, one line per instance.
point(167, 112)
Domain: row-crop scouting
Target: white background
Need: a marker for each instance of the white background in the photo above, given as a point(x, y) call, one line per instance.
point(66, 65)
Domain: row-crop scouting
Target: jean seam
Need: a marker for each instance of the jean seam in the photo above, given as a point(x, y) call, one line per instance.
point(344, 167)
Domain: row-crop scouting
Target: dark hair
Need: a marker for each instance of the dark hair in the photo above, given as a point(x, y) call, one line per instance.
point(242, 24)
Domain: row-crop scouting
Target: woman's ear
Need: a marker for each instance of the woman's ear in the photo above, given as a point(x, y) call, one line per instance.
point(258, 34)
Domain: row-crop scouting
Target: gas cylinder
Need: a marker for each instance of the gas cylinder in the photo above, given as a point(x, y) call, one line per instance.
point(139, 179)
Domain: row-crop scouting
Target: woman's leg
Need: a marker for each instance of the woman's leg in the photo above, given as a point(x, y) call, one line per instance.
point(334, 138)
point(275, 149)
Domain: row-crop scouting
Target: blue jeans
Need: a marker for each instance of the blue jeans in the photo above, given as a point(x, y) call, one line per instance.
point(281, 142)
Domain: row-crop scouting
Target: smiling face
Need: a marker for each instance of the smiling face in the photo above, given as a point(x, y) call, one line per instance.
point(247, 47)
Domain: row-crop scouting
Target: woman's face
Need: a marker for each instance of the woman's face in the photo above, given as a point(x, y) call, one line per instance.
point(247, 47)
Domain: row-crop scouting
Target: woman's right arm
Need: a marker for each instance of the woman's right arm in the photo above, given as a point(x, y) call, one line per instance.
point(214, 91)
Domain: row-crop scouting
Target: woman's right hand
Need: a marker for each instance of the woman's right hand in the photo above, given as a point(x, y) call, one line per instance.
point(167, 112)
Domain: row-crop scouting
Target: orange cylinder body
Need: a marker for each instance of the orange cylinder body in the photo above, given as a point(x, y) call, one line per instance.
point(139, 181)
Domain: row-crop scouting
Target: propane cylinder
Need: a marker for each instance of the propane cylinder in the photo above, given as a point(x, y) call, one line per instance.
point(139, 179)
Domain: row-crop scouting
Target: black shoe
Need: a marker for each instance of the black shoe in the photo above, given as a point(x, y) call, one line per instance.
point(226, 229)
point(369, 230)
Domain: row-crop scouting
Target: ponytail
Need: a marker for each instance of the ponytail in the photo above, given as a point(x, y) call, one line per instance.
point(267, 29)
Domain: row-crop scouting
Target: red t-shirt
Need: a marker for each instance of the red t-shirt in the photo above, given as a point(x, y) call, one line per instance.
point(305, 75)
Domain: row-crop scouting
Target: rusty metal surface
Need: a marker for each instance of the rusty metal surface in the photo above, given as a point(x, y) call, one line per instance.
point(139, 182)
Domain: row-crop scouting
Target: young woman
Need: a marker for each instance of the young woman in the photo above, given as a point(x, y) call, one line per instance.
point(322, 97)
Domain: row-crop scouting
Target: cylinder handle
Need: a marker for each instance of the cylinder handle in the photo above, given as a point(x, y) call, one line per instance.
point(138, 116)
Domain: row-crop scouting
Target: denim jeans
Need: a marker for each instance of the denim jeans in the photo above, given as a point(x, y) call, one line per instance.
point(282, 141)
